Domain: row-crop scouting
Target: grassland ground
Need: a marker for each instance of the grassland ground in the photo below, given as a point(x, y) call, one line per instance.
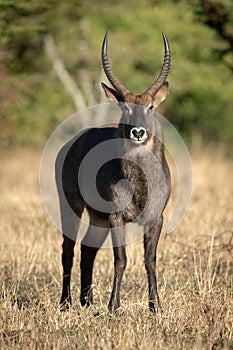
point(195, 272)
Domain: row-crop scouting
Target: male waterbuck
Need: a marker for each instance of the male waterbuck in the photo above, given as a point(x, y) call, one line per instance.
point(134, 185)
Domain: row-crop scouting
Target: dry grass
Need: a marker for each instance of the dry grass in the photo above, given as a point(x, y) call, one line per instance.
point(194, 273)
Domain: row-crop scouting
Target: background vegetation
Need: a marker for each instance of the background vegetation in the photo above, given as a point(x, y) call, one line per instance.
point(33, 101)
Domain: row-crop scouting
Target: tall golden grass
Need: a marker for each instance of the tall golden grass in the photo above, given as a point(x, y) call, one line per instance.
point(195, 265)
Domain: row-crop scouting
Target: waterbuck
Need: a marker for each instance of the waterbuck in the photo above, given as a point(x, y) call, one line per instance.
point(132, 186)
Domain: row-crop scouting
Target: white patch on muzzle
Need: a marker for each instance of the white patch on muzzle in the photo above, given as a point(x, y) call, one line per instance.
point(138, 134)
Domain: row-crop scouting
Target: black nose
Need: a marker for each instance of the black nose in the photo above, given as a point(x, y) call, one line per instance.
point(138, 133)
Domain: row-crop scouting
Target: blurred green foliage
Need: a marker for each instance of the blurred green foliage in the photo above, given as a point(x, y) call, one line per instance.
point(33, 102)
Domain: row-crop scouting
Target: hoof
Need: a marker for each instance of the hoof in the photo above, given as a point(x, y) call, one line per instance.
point(113, 309)
point(155, 307)
point(65, 304)
point(86, 301)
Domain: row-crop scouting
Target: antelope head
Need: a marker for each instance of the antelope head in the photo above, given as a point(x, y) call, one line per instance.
point(138, 110)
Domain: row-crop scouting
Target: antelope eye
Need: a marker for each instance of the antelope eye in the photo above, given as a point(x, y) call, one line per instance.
point(150, 107)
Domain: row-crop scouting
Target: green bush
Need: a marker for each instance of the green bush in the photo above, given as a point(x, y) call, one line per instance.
point(33, 101)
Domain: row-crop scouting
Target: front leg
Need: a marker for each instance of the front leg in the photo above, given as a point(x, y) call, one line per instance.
point(151, 238)
point(120, 261)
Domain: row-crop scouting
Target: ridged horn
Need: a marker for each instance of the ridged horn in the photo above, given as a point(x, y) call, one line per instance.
point(165, 69)
point(108, 71)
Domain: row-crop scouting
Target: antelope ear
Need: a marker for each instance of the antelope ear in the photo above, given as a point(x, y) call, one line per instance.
point(111, 94)
point(160, 95)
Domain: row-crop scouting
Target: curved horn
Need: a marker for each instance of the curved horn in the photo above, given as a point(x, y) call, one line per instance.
point(108, 71)
point(165, 69)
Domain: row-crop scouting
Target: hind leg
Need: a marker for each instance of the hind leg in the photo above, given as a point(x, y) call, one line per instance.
point(71, 208)
point(67, 263)
point(91, 243)
point(70, 226)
